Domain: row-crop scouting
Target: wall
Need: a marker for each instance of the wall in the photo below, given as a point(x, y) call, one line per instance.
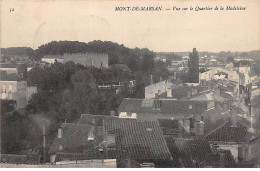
point(52, 60)
point(30, 91)
point(252, 151)
point(88, 59)
point(159, 88)
point(233, 149)
point(20, 95)
point(244, 69)
point(9, 70)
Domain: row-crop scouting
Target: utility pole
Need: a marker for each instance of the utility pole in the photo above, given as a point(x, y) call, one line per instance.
point(43, 136)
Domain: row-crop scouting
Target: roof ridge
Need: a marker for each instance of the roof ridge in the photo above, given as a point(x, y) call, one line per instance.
point(217, 128)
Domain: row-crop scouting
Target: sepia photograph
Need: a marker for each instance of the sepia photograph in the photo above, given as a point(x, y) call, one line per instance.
point(130, 84)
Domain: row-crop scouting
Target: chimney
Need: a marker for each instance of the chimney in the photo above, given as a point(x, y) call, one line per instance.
point(214, 148)
point(186, 125)
point(180, 129)
point(225, 106)
point(233, 118)
point(169, 92)
point(217, 92)
point(200, 128)
point(151, 80)
point(221, 159)
point(112, 113)
point(60, 132)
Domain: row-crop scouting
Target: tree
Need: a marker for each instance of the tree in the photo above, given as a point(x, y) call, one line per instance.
point(230, 59)
point(193, 65)
point(81, 97)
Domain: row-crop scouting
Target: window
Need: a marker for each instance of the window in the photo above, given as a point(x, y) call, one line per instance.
point(111, 140)
point(10, 87)
point(4, 88)
point(190, 106)
point(149, 129)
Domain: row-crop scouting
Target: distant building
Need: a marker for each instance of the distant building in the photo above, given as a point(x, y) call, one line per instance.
point(51, 59)
point(98, 60)
point(13, 86)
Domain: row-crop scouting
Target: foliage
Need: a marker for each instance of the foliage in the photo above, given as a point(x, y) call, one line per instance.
point(18, 51)
point(79, 99)
point(230, 59)
point(13, 133)
point(7, 106)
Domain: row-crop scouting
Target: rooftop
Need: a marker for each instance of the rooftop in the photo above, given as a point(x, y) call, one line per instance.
point(183, 108)
point(189, 150)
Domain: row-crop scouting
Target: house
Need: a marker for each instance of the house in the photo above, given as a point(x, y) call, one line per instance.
point(176, 128)
point(229, 133)
point(153, 109)
point(190, 152)
point(157, 88)
point(130, 142)
point(213, 95)
point(51, 59)
point(13, 86)
point(221, 73)
point(252, 151)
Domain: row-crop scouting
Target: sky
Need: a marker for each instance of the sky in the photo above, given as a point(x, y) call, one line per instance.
point(32, 23)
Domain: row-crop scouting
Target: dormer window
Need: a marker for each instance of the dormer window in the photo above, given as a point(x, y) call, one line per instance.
point(60, 148)
point(149, 129)
point(111, 140)
point(91, 136)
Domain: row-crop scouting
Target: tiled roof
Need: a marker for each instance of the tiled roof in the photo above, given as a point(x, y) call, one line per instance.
point(189, 150)
point(252, 74)
point(226, 95)
point(256, 101)
point(221, 73)
point(227, 133)
point(87, 119)
point(75, 140)
point(139, 140)
point(168, 106)
point(181, 92)
point(167, 123)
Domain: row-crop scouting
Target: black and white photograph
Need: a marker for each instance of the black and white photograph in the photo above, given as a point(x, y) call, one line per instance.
point(130, 84)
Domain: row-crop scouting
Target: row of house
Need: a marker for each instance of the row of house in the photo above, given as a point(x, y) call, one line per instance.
point(161, 143)
point(132, 142)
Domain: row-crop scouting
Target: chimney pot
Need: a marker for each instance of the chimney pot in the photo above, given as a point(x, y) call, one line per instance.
point(60, 131)
point(112, 113)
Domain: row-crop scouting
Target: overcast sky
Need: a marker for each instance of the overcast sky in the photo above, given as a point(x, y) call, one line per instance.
point(36, 22)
